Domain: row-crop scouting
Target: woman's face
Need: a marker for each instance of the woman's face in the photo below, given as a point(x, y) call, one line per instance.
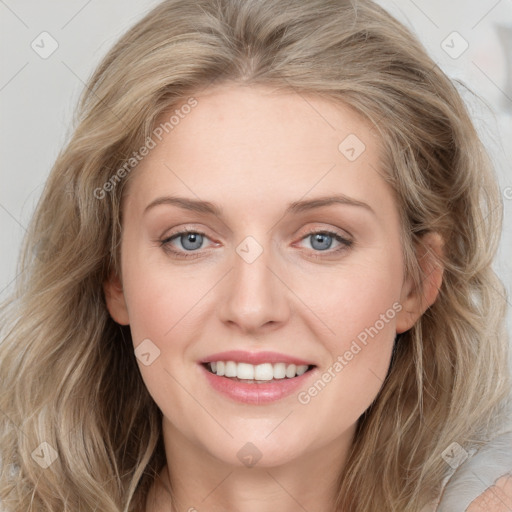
point(293, 257)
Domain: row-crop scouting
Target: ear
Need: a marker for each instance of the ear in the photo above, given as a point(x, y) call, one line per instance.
point(115, 300)
point(416, 299)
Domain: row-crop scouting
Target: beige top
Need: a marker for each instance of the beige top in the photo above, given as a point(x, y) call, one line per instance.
point(479, 471)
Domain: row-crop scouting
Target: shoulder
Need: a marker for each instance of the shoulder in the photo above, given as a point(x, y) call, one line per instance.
point(497, 498)
point(482, 481)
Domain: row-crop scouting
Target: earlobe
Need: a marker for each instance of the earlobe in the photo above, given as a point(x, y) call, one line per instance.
point(114, 298)
point(416, 299)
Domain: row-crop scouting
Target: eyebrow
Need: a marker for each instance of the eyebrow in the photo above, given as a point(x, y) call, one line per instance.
point(207, 207)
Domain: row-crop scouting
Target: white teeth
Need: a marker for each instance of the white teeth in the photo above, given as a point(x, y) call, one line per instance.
point(245, 371)
point(301, 369)
point(230, 370)
point(263, 372)
point(279, 371)
point(291, 371)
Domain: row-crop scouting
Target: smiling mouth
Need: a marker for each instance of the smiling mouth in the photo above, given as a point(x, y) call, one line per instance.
point(257, 374)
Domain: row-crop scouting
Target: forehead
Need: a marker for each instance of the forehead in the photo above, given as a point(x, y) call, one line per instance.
point(255, 146)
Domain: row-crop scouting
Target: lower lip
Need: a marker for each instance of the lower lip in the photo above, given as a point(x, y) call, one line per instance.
point(256, 394)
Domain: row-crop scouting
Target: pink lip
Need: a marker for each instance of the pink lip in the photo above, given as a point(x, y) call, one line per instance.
point(255, 394)
point(241, 356)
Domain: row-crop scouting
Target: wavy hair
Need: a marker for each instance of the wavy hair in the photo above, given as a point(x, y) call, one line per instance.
point(69, 373)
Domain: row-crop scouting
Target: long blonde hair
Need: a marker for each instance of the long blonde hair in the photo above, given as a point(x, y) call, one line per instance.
point(68, 371)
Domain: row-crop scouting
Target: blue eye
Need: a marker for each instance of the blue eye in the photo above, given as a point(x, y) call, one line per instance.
point(190, 241)
point(321, 241)
point(324, 240)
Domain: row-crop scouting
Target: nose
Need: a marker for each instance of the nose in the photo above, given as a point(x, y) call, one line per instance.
point(255, 297)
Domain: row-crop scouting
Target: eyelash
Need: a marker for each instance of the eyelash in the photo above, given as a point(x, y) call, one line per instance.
point(165, 243)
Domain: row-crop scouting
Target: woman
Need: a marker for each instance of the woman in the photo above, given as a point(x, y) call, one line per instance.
point(259, 277)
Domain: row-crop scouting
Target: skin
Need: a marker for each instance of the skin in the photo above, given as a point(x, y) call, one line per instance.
point(497, 498)
point(252, 151)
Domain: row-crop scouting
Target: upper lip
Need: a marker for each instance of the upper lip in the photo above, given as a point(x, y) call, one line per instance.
point(241, 356)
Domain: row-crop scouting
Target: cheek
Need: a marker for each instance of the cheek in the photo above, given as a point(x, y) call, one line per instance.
point(359, 307)
point(360, 357)
point(160, 300)
point(163, 308)
point(356, 301)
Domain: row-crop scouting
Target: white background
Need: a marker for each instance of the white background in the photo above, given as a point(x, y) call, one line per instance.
point(37, 96)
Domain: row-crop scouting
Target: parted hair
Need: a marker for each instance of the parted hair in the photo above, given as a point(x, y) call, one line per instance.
point(69, 375)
